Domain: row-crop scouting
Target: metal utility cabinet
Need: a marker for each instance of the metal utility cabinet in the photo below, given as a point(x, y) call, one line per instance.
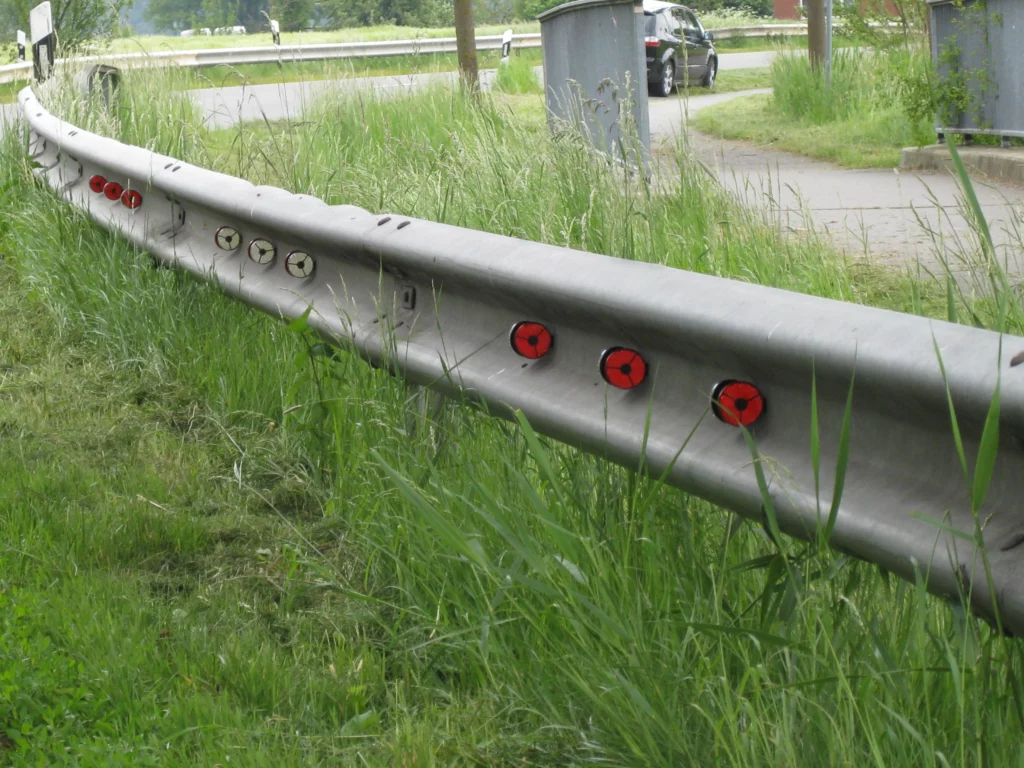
point(978, 49)
point(595, 72)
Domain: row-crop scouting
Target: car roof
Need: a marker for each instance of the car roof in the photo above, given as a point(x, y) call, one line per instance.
point(656, 6)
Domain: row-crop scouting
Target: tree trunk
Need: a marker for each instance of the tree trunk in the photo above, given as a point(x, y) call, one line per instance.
point(466, 37)
point(816, 32)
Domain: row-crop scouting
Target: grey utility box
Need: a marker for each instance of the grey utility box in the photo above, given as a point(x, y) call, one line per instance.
point(595, 72)
point(978, 46)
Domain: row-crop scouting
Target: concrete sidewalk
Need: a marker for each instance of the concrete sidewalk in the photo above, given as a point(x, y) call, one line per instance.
point(889, 216)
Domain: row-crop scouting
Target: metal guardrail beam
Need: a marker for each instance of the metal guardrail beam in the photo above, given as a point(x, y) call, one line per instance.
point(320, 52)
point(441, 306)
point(270, 53)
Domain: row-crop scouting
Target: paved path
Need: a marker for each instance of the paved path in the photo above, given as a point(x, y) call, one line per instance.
point(889, 216)
point(226, 106)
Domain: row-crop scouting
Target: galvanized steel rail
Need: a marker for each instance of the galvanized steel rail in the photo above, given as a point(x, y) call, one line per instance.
point(10, 73)
point(643, 365)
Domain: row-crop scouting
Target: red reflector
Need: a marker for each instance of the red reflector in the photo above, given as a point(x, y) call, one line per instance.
point(96, 184)
point(131, 199)
point(651, 42)
point(623, 368)
point(531, 340)
point(737, 403)
point(112, 190)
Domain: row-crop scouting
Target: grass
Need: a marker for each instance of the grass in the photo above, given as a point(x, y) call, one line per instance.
point(153, 43)
point(218, 542)
point(259, 74)
point(861, 122)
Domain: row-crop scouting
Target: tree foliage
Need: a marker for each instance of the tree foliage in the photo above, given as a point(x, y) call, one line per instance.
point(75, 21)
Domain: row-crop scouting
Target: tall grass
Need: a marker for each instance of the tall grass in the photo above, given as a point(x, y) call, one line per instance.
point(495, 598)
point(865, 87)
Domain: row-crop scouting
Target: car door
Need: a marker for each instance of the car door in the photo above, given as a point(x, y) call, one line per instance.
point(673, 31)
point(692, 38)
point(696, 45)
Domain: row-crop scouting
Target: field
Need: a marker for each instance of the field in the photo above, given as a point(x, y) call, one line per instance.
point(223, 544)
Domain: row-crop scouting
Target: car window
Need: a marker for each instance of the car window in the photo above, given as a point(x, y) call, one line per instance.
point(651, 25)
point(673, 24)
point(691, 23)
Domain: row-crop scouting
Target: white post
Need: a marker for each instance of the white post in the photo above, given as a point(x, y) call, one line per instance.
point(43, 40)
point(506, 46)
point(21, 45)
point(275, 31)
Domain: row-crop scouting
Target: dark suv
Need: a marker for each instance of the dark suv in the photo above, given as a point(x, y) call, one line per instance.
point(678, 48)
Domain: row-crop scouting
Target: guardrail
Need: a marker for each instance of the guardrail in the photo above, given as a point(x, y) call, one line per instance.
point(271, 53)
point(319, 52)
point(647, 366)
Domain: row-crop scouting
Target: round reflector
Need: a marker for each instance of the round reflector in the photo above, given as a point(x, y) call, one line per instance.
point(227, 238)
point(623, 368)
point(96, 183)
point(112, 190)
point(299, 264)
point(737, 403)
point(262, 251)
point(131, 199)
point(531, 340)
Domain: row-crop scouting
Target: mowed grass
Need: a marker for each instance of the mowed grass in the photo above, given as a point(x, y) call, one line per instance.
point(860, 122)
point(152, 43)
point(223, 545)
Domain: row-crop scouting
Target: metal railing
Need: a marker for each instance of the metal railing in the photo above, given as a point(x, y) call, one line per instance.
point(321, 52)
point(650, 367)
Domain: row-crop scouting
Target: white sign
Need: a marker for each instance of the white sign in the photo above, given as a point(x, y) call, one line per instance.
point(275, 28)
point(40, 21)
point(21, 39)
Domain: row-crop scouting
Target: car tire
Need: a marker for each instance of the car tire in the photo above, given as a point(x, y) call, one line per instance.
point(712, 73)
point(668, 79)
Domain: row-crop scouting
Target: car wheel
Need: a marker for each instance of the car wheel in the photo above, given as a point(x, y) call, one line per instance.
point(709, 78)
point(668, 79)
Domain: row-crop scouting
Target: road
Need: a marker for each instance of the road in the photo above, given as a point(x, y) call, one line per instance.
point(227, 106)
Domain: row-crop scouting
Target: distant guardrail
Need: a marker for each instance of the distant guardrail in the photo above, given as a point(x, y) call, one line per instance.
point(324, 51)
point(848, 436)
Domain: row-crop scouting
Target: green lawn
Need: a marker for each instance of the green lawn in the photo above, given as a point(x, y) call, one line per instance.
point(222, 545)
point(873, 141)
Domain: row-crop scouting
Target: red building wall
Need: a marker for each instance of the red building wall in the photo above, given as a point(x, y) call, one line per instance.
point(790, 9)
point(787, 9)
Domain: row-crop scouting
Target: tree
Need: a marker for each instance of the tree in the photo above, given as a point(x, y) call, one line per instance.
point(293, 15)
point(169, 15)
point(77, 22)
point(465, 36)
point(816, 32)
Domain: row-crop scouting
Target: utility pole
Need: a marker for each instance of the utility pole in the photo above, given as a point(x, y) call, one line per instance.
point(828, 43)
point(816, 32)
point(465, 36)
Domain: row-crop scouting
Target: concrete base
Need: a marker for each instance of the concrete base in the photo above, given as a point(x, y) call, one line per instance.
point(994, 162)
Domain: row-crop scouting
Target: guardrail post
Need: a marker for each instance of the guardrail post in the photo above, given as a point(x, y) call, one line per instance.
point(43, 40)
